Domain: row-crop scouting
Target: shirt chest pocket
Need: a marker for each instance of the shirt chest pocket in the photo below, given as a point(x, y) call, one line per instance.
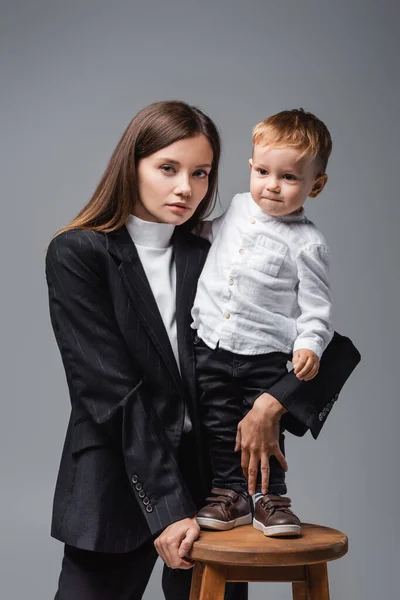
point(267, 256)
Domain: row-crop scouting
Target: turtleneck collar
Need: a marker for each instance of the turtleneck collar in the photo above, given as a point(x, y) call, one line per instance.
point(151, 235)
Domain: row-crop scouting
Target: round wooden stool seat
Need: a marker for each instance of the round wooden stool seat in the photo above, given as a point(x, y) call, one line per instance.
point(245, 546)
point(245, 554)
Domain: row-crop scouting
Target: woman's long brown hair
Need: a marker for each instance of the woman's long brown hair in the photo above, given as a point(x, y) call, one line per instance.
point(153, 128)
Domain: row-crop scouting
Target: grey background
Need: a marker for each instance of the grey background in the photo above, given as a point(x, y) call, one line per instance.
point(72, 76)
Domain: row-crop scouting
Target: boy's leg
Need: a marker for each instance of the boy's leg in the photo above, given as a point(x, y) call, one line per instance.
point(256, 375)
point(221, 409)
point(272, 514)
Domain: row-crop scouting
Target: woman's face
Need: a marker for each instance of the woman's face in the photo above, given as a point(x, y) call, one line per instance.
point(173, 181)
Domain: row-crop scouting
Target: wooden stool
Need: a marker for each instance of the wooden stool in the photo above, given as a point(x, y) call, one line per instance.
point(244, 554)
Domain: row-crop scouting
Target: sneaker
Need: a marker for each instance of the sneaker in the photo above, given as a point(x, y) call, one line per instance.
point(224, 510)
point(274, 518)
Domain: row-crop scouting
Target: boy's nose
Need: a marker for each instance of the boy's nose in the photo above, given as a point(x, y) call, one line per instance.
point(272, 185)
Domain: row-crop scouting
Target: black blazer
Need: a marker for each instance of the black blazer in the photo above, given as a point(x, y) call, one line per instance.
point(119, 481)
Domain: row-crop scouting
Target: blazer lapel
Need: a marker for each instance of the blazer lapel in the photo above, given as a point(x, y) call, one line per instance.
point(134, 277)
point(189, 260)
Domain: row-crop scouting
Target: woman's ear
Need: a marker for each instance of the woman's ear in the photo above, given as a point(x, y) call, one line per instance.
point(319, 185)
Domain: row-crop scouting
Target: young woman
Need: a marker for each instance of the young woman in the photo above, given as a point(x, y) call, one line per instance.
point(122, 279)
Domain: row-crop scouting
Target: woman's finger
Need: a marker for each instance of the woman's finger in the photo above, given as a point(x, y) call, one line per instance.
point(186, 544)
point(252, 471)
point(238, 441)
point(264, 472)
point(244, 462)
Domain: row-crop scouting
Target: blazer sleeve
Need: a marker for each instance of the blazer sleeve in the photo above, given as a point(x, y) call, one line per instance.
point(310, 402)
point(102, 376)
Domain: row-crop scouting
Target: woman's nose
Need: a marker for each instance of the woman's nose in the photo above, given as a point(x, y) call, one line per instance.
point(184, 188)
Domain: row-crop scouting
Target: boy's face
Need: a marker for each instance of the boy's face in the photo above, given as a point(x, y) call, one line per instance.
point(281, 180)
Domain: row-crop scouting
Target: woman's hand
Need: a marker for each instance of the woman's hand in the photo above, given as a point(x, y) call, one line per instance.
point(258, 439)
point(175, 542)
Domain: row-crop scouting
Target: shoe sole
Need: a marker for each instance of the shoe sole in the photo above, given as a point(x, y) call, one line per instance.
point(208, 523)
point(277, 530)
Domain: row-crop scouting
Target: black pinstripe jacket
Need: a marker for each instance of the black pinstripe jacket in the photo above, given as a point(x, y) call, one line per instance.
point(119, 481)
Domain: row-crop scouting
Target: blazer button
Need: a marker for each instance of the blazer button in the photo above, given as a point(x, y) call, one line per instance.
point(321, 416)
point(139, 486)
point(135, 479)
point(149, 508)
point(146, 501)
point(335, 397)
point(141, 494)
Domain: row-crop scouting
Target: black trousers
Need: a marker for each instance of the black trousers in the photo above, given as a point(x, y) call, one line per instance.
point(229, 384)
point(101, 576)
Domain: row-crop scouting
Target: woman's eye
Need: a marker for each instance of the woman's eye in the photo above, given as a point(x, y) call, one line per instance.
point(167, 169)
point(200, 174)
point(289, 177)
point(262, 172)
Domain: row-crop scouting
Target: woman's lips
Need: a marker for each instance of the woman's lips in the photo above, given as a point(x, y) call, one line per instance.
point(179, 209)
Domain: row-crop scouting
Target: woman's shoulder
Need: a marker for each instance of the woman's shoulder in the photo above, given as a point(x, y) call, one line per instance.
point(76, 244)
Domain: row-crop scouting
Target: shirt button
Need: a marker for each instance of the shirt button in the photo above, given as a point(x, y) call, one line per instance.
point(231, 282)
point(253, 221)
point(241, 251)
point(227, 316)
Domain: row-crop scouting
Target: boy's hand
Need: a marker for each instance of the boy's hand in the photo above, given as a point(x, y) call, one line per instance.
point(305, 364)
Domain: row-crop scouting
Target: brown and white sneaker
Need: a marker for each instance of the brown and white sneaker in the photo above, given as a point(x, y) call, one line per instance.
point(224, 510)
point(272, 516)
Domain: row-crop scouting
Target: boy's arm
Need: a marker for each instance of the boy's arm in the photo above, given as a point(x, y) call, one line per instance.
point(314, 325)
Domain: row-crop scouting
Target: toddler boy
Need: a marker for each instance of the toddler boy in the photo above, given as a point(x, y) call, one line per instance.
point(262, 300)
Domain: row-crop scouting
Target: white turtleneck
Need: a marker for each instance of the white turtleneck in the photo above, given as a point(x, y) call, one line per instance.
point(154, 246)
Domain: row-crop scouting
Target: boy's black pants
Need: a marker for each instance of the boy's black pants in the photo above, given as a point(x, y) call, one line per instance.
point(229, 384)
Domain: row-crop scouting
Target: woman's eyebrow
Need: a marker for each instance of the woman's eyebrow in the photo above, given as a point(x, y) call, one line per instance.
point(176, 162)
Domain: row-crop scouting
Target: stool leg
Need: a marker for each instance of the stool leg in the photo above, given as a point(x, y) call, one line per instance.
point(212, 583)
point(196, 581)
point(317, 582)
point(299, 590)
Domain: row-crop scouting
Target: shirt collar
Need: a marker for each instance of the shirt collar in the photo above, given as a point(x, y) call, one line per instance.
point(146, 233)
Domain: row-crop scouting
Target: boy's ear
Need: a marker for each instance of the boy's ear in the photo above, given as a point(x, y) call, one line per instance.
point(319, 185)
point(250, 163)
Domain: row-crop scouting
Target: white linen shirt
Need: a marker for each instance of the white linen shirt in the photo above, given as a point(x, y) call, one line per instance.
point(265, 286)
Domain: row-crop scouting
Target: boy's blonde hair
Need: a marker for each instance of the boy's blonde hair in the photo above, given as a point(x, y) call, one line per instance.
point(299, 129)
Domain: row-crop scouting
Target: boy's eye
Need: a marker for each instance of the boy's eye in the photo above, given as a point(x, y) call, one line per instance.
point(262, 171)
point(289, 177)
point(167, 169)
